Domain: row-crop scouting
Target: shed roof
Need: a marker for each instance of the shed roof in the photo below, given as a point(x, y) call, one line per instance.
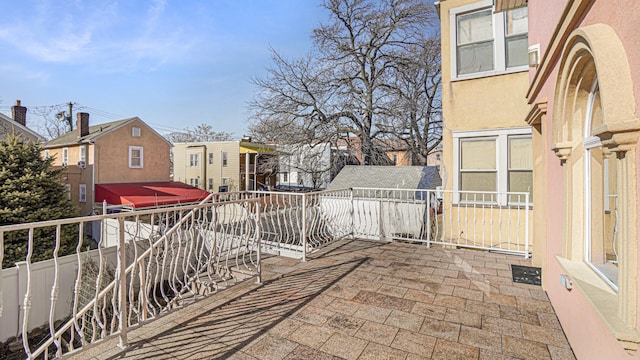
point(387, 177)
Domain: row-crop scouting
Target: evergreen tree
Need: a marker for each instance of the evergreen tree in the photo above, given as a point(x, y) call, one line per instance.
point(30, 191)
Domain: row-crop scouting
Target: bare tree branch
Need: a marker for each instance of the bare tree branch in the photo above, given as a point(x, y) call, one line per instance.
point(372, 74)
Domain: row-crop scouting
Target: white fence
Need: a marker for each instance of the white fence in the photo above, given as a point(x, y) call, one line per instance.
point(481, 220)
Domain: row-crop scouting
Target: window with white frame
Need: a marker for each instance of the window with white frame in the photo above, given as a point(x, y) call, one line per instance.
point(67, 190)
point(225, 181)
point(494, 162)
point(83, 153)
point(520, 170)
point(136, 157)
point(224, 159)
point(193, 182)
point(193, 160)
point(83, 193)
point(484, 42)
point(135, 131)
point(46, 154)
point(210, 158)
point(65, 156)
point(285, 177)
point(210, 183)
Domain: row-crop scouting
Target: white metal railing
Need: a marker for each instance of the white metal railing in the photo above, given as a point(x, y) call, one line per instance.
point(147, 263)
point(164, 259)
point(470, 219)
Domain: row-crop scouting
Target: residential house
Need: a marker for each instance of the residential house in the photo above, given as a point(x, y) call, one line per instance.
point(17, 124)
point(225, 165)
point(435, 159)
point(310, 166)
point(123, 151)
point(584, 98)
point(487, 148)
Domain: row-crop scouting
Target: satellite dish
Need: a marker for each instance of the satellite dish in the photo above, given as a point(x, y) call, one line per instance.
point(60, 116)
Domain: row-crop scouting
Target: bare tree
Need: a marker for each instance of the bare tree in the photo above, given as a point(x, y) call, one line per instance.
point(201, 133)
point(415, 106)
point(345, 87)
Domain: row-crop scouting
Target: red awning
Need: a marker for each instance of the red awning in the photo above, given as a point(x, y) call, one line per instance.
point(140, 195)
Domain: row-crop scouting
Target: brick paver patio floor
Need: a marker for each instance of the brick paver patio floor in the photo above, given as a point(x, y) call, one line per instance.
point(362, 300)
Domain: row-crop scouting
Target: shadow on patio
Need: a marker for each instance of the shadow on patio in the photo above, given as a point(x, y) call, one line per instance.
point(362, 300)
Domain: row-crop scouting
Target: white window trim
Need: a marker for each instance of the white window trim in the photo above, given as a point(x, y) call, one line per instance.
point(46, 154)
point(135, 133)
point(499, 52)
point(65, 156)
point(210, 158)
point(82, 193)
point(67, 188)
point(131, 148)
point(502, 158)
point(193, 160)
point(83, 153)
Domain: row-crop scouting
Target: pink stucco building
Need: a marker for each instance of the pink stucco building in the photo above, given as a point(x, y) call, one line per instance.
point(584, 96)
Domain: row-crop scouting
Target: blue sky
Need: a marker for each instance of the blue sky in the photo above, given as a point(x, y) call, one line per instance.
point(173, 63)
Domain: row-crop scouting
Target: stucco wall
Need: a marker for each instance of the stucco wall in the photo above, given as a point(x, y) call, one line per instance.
point(476, 104)
point(583, 323)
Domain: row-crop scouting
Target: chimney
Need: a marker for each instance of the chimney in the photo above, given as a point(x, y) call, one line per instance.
point(19, 113)
point(83, 124)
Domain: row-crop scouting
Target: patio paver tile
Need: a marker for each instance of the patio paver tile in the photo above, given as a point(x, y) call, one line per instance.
point(376, 332)
point(375, 351)
point(463, 317)
point(384, 301)
point(502, 326)
point(561, 353)
point(429, 310)
point(440, 329)
point(447, 350)
point(480, 338)
point(416, 343)
point(452, 302)
point(310, 335)
point(544, 335)
point(270, 347)
point(345, 324)
point(302, 352)
point(404, 320)
point(344, 346)
point(372, 313)
point(524, 349)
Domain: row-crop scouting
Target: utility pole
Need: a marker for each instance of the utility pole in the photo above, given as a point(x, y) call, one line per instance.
point(62, 116)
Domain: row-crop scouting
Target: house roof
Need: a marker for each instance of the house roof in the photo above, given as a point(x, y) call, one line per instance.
point(387, 177)
point(140, 195)
point(95, 131)
point(6, 119)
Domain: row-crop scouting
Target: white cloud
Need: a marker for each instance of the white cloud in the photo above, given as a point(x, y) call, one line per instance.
point(112, 36)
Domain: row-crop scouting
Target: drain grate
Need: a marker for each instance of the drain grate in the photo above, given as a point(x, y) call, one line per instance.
point(526, 275)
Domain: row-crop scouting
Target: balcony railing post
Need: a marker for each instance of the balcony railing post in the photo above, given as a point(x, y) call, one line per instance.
point(353, 214)
point(258, 244)
point(526, 226)
point(122, 286)
point(304, 227)
point(429, 206)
